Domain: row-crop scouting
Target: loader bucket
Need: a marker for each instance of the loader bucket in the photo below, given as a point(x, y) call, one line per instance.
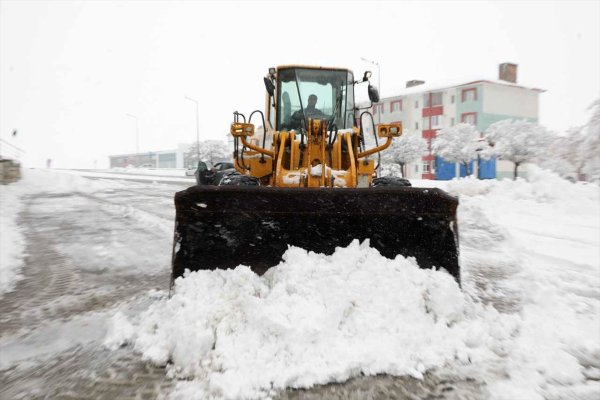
point(225, 226)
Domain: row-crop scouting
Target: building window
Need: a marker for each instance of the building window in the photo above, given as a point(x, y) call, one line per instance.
point(417, 104)
point(452, 122)
point(377, 108)
point(432, 99)
point(416, 167)
point(426, 123)
point(396, 106)
point(436, 121)
point(469, 118)
point(469, 94)
point(452, 99)
point(426, 168)
point(416, 125)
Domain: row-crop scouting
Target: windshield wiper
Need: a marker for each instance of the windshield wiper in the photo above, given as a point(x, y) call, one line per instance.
point(338, 104)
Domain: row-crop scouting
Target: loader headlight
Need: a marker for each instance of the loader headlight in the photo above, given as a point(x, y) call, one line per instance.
point(240, 129)
point(389, 130)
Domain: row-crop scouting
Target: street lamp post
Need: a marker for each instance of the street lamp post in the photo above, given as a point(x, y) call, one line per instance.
point(197, 126)
point(137, 137)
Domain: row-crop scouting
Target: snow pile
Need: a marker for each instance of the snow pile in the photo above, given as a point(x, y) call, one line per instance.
point(313, 319)
point(56, 181)
point(541, 185)
point(526, 322)
point(12, 242)
point(544, 259)
point(121, 331)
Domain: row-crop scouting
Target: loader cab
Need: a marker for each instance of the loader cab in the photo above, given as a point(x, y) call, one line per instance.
point(334, 89)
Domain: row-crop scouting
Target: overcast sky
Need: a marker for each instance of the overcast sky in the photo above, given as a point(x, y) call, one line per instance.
point(70, 72)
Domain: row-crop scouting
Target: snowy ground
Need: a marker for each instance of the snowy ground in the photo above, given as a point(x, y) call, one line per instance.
point(524, 325)
point(171, 175)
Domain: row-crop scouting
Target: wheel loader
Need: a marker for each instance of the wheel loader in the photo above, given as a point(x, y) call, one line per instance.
point(310, 180)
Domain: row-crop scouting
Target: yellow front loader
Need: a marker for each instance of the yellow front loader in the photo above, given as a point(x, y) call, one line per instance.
point(309, 180)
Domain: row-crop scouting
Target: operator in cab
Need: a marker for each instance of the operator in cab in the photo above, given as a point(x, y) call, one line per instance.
point(310, 111)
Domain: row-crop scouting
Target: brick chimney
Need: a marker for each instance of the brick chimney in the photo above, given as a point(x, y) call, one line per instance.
point(414, 82)
point(507, 72)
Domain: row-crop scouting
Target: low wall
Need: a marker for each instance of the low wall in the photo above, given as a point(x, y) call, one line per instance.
point(10, 171)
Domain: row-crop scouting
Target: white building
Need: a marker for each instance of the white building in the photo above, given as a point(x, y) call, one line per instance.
point(425, 108)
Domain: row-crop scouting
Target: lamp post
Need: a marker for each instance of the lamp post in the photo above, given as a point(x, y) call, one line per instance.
point(378, 82)
point(197, 126)
point(137, 137)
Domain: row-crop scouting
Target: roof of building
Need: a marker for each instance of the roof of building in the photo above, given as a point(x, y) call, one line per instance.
point(433, 86)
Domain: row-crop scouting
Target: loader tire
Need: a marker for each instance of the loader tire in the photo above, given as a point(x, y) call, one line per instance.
point(237, 179)
point(390, 181)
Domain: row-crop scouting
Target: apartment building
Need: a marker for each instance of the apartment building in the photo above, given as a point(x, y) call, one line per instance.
point(426, 108)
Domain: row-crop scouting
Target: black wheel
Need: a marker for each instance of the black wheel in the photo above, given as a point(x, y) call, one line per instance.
point(237, 179)
point(390, 181)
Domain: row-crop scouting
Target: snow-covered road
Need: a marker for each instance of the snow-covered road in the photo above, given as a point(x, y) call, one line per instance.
point(88, 246)
point(85, 267)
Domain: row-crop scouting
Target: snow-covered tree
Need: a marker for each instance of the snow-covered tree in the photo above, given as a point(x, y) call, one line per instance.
point(590, 147)
point(517, 141)
point(211, 151)
point(564, 154)
point(407, 148)
point(458, 144)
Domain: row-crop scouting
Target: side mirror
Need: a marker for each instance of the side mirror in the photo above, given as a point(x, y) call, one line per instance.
point(269, 86)
point(373, 94)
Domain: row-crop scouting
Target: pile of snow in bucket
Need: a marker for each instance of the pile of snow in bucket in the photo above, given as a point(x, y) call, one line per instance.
point(312, 319)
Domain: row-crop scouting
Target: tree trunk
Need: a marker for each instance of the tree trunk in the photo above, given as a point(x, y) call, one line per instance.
point(516, 173)
point(467, 172)
point(402, 169)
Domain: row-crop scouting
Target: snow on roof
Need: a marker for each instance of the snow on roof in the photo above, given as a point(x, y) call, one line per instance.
point(464, 81)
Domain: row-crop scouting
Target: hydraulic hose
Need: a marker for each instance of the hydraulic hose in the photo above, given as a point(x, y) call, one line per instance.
point(262, 157)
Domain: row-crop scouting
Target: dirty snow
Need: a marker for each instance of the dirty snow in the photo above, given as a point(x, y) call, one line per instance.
point(12, 197)
point(526, 322)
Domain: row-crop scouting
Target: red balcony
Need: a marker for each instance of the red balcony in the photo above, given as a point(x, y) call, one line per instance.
point(430, 112)
point(429, 134)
